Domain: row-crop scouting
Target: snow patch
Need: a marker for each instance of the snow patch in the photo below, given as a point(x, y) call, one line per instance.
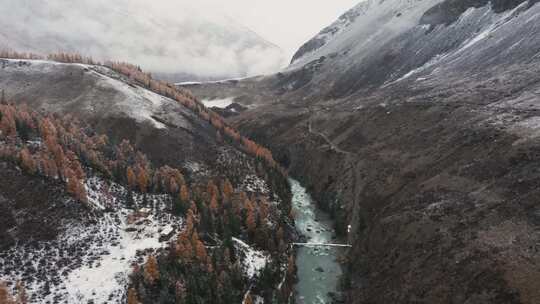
point(253, 261)
point(255, 184)
point(218, 103)
point(187, 83)
point(141, 104)
point(90, 261)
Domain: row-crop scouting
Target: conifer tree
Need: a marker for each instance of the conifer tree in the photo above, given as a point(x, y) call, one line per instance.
point(142, 179)
point(184, 249)
point(248, 299)
point(132, 297)
point(227, 190)
point(27, 161)
point(180, 291)
point(3, 97)
point(184, 194)
point(200, 250)
point(5, 295)
point(151, 272)
point(251, 222)
point(8, 127)
point(264, 209)
point(214, 204)
point(131, 179)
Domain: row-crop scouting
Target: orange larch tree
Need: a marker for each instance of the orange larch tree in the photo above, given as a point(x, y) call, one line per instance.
point(227, 190)
point(142, 179)
point(22, 297)
point(184, 194)
point(214, 204)
point(27, 161)
point(132, 297)
point(151, 271)
point(200, 250)
point(251, 221)
point(131, 179)
point(8, 127)
point(248, 299)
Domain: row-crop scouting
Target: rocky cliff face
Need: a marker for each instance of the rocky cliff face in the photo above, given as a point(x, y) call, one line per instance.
point(417, 124)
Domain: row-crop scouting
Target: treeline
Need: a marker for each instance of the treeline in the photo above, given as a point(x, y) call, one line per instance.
point(61, 147)
point(8, 54)
point(182, 96)
point(58, 57)
point(71, 58)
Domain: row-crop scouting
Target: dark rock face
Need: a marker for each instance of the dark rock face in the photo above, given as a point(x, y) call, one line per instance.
point(449, 11)
point(322, 38)
point(425, 141)
point(309, 46)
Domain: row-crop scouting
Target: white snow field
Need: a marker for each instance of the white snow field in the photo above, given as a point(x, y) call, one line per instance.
point(91, 263)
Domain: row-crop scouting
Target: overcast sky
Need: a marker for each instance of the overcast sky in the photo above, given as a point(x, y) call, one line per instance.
point(202, 38)
point(287, 23)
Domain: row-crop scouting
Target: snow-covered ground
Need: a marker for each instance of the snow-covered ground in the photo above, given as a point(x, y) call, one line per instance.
point(253, 261)
point(140, 103)
point(218, 103)
point(253, 183)
point(365, 28)
point(90, 262)
point(185, 83)
point(129, 99)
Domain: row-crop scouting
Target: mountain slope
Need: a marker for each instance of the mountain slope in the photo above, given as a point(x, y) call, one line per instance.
point(83, 213)
point(416, 122)
point(392, 41)
point(180, 45)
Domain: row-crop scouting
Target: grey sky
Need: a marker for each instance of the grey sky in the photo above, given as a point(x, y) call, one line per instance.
point(205, 38)
point(287, 23)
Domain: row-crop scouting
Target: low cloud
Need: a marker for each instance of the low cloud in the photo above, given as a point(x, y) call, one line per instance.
point(165, 36)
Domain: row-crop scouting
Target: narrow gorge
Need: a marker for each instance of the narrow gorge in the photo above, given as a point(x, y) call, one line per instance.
point(415, 122)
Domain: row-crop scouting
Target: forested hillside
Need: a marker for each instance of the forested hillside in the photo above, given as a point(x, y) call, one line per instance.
point(158, 228)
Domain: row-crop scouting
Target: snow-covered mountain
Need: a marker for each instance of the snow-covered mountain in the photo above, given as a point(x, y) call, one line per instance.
point(186, 44)
point(331, 31)
point(385, 42)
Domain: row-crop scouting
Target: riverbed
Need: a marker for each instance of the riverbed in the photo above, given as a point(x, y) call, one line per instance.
point(318, 269)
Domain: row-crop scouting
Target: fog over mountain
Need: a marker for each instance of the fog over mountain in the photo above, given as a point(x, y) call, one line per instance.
point(172, 38)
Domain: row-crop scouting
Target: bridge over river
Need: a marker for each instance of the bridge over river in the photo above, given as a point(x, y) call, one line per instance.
point(321, 245)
